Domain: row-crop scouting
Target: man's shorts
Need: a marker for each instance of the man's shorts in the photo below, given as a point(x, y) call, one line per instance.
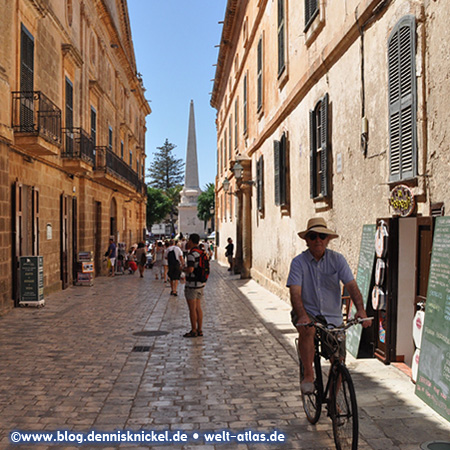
point(325, 350)
point(193, 293)
point(174, 273)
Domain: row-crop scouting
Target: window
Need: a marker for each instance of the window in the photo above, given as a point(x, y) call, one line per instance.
point(225, 141)
point(121, 149)
point(281, 36)
point(402, 100)
point(131, 158)
point(318, 122)
point(260, 184)
point(93, 126)
point(26, 80)
point(236, 104)
point(280, 171)
point(110, 138)
point(311, 11)
point(69, 117)
point(260, 74)
point(244, 118)
point(230, 140)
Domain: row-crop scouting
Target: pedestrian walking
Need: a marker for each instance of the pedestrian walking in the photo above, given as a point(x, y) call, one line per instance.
point(197, 271)
point(141, 258)
point(158, 257)
point(229, 253)
point(315, 290)
point(165, 263)
point(175, 262)
point(111, 255)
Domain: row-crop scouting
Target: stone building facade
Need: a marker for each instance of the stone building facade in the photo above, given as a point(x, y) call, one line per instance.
point(72, 130)
point(329, 106)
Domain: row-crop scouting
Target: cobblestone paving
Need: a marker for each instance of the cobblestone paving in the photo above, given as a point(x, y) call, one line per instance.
point(70, 365)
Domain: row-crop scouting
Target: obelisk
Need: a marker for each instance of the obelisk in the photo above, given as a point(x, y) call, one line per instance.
point(188, 222)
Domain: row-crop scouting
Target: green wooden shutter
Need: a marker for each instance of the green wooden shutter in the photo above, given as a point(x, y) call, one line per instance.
point(402, 100)
point(324, 147)
point(260, 183)
point(283, 170)
point(276, 153)
point(260, 74)
point(281, 40)
point(312, 154)
point(26, 80)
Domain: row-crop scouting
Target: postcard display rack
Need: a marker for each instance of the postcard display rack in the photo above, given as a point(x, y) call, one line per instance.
point(85, 269)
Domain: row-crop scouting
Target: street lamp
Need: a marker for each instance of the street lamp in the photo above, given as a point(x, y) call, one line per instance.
point(238, 170)
point(226, 184)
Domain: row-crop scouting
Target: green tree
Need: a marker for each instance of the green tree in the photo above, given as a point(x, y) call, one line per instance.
point(158, 206)
point(166, 171)
point(206, 202)
point(166, 174)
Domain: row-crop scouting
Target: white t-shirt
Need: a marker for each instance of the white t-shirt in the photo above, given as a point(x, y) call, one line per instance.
point(177, 251)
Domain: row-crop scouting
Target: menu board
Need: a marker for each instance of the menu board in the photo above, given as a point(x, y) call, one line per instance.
point(433, 379)
point(31, 279)
point(363, 279)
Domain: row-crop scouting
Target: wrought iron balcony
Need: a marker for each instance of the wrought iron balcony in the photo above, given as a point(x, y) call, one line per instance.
point(115, 172)
point(78, 150)
point(36, 122)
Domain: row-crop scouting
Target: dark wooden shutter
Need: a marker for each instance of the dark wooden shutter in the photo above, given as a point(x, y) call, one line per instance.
point(94, 127)
point(245, 105)
point(312, 153)
point(64, 241)
point(35, 213)
point(324, 147)
point(281, 39)
point(311, 9)
point(283, 170)
point(26, 80)
point(69, 117)
point(260, 183)
point(402, 100)
point(260, 74)
point(276, 153)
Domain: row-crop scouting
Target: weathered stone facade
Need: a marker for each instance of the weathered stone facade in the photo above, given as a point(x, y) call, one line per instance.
point(338, 56)
point(72, 130)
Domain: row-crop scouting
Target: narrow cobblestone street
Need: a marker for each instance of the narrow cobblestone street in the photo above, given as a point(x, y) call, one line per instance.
point(70, 366)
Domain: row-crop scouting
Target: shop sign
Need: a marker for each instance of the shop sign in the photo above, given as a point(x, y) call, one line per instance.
point(402, 200)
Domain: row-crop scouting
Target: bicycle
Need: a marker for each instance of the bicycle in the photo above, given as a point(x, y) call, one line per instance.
point(339, 394)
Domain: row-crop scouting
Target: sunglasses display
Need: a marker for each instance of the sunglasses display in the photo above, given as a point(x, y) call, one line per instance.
point(314, 236)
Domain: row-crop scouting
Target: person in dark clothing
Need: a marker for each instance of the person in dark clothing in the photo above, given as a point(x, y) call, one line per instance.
point(229, 253)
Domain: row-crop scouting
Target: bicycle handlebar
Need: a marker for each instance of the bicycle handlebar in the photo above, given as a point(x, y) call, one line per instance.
point(343, 327)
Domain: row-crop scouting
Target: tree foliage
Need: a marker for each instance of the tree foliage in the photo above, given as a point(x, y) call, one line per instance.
point(206, 202)
point(166, 171)
point(158, 206)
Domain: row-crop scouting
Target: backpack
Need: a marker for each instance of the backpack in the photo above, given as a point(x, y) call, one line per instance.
point(202, 271)
point(172, 259)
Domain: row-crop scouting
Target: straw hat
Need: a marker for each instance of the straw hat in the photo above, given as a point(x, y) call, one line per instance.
point(317, 225)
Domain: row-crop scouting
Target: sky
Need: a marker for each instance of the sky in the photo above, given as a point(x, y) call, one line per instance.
point(174, 43)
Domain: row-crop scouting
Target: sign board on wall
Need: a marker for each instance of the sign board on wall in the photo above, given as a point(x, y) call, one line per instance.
point(433, 379)
point(363, 279)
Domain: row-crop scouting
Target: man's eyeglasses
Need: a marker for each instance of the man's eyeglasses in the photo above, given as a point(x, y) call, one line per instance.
point(314, 236)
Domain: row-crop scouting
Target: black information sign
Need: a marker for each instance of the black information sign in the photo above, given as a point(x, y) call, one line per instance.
point(433, 379)
point(363, 279)
point(31, 280)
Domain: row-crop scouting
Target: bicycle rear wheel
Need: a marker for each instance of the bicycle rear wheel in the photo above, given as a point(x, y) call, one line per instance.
point(344, 410)
point(312, 403)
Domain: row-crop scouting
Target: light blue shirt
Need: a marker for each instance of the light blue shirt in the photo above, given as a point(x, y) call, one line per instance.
point(320, 283)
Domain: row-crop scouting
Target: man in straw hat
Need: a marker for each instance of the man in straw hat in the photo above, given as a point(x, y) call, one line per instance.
point(314, 284)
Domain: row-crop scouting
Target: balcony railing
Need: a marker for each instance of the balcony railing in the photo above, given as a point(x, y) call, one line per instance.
point(78, 145)
point(35, 113)
point(109, 162)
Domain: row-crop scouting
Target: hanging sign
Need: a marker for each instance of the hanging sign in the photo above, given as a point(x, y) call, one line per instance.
point(402, 200)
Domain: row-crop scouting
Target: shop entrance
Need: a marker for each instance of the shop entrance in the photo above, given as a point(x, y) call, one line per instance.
point(406, 257)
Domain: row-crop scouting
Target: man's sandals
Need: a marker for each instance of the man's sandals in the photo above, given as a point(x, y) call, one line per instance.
point(193, 334)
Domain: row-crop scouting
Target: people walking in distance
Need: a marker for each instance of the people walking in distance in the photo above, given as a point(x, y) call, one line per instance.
point(111, 255)
point(165, 263)
point(229, 253)
point(182, 245)
point(197, 271)
point(141, 258)
point(158, 257)
point(175, 262)
point(315, 290)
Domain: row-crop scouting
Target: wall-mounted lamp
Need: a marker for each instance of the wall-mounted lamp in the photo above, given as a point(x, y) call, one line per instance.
point(226, 185)
point(238, 171)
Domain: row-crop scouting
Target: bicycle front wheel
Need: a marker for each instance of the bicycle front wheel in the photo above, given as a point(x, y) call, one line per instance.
point(344, 410)
point(312, 403)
